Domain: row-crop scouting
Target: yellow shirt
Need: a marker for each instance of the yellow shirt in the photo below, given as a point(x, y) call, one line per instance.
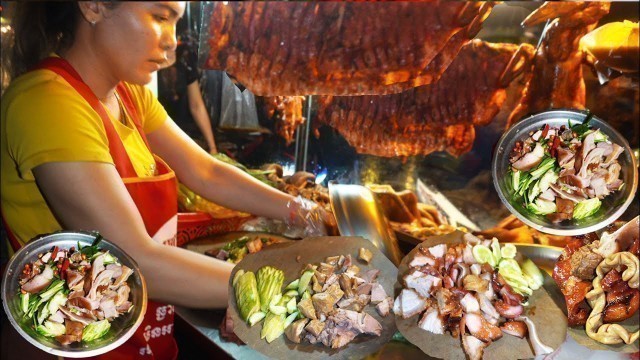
point(43, 119)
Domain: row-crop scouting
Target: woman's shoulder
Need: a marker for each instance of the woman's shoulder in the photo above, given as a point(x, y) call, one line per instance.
point(39, 86)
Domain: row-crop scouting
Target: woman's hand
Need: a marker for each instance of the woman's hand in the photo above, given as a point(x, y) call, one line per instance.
point(312, 218)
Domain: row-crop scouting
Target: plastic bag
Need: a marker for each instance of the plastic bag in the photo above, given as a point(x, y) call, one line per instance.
point(238, 107)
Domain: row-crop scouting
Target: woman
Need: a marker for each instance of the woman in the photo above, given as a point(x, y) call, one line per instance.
point(179, 93)
point(78, 139)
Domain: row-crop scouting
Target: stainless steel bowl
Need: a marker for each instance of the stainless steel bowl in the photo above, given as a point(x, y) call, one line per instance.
point(121, 329)
point(613, 206)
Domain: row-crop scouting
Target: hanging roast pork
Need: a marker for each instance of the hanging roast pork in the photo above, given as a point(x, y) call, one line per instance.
point(337, 48)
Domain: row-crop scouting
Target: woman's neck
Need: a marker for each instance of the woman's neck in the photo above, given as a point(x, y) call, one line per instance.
point(92, 68)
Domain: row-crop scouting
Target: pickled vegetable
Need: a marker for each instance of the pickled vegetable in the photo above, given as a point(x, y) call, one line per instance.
point(247, 297)
point(269, 282)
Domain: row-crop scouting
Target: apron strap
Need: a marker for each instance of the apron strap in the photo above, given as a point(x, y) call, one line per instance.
point(116, 148)
point(125, 96)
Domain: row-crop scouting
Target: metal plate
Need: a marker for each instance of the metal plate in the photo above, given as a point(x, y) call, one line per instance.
point(613, 205)
point(121, 329)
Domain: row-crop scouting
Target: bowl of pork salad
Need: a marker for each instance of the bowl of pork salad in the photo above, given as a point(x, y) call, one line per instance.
point(565, 172)
point(74, 294)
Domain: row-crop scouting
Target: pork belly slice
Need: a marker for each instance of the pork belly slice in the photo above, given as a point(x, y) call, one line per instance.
point(384, 306)
point(422, 283)
point(377, 293)
point(508, 311)
point(411, 303)
point(480, 328)
point(470, 303)
point(432, 322)
point(473, 347)
point(438, 251)
point(515, 328)
point(39, 281)
point(295, 331)
point(420, 259)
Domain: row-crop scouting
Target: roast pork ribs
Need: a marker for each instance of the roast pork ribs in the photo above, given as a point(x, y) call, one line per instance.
point(555, 79)
point(436, 117)
point(286, 111)
point(337, 48)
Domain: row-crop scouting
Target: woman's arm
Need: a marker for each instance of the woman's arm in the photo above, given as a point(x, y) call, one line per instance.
point(91, 196)
point(200, 115)
point(219, 182)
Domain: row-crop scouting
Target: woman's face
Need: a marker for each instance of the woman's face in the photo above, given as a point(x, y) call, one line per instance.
point(136, 37)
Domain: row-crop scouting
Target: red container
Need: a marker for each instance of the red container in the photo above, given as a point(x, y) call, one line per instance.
point(194, 225)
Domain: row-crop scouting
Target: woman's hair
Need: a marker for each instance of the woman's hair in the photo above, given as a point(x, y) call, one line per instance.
point(41, 27)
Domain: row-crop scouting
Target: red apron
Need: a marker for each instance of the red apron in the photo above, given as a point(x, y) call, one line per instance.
point(157, 201)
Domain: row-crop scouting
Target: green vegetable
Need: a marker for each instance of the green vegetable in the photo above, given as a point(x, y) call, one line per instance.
point(247, 296)
point(237, 243)
point(515, 180)
point(291, 318)
point(272, 327)
point(258, 174)
point(582, 129)
point(270, 282)
point(51, 329)
point(542, 207)
point(36, 301)
point(545, 165)
point(256, 317)
point(599, 137)
point(293, 285)
point(511, 266)
point(291, 293)
point(24, 302)
point(277, 309)
point(92, 250)
point(108, 258)
point(237, 254)
point(508, 251)
point(236, 277)
point(522, 290)
point(56, 301)
point(43, 314)
point(304, 281)
point(95, 330)
point(543, 184)
point(275, 300)
point(54, 287)
point(291, 305)
point(495, 249)
point(586, 208)
point(483, 254)
point(306, 295)
point(531, 270)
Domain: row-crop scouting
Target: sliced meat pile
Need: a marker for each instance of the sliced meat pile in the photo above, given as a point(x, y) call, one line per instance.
point(448, 290)
point(438, 117)
point(576, 269)
point(338, 48)
point(69, 291)
point(334, 314)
